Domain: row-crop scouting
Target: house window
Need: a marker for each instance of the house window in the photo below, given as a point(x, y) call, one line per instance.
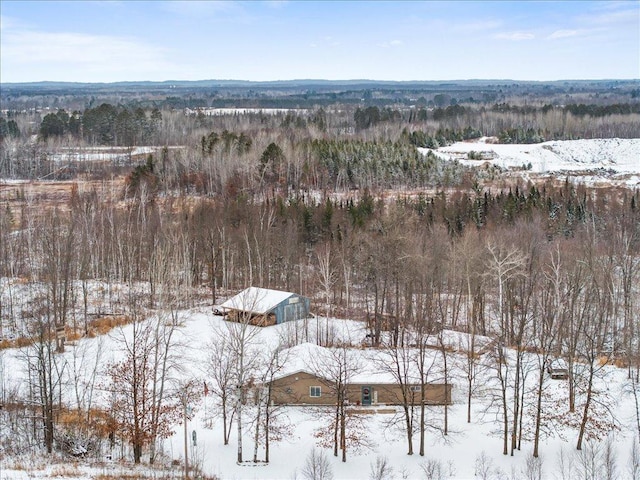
point(415, 388)
point(315, 391)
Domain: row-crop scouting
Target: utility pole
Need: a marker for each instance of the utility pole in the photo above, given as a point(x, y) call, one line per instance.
point(186, 444)
point(186, 393)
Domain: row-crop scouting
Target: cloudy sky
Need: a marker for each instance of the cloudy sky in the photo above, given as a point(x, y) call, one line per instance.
point(281, 40)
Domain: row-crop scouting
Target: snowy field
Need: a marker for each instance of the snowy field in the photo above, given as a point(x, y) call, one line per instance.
point(606, 160)
point(118, 155)
point(470, 450)
point(214, 112)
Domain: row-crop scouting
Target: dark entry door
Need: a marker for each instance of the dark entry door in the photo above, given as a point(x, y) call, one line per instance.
point(366, 395)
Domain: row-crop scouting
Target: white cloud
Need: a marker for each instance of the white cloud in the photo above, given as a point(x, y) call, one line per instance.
point(78, 56)
point(562, 34)
point(617, 13)
point(7, 23)
point(331, 42)
point(515, 36)
point(392, 43)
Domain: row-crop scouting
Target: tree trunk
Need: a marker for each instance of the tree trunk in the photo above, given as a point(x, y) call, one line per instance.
point(137, 453)
point(267, 419)
point(256, 436)
point(239, 422)
point(505, 414)
point(343, 432)
point(336, 428)
point(585, 413)
point(446, 389)
point(536, 435)
point(422, 429)
point(409, 426)
point(516, 404)
point(225, 432)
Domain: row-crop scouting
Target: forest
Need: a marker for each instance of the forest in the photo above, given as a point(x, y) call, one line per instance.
point(333, 202)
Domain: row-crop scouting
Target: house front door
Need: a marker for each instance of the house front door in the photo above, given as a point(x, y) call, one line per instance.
point(366, 395)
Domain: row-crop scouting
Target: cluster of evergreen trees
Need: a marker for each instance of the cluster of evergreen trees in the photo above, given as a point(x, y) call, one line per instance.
point(602, 110)
point(360, 164)
point(521, 135)
point(8, 128)
point(370, 116)
point(104, 125)
point(441, 137)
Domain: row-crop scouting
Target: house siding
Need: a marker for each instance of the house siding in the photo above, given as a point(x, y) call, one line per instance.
point(294, 389)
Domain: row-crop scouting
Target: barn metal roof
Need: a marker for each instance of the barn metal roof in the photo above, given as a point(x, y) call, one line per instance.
point(256, 300)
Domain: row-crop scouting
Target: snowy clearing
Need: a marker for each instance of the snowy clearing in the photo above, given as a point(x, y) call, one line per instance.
point(466, 448)
point(117, 155)
point(606, 160)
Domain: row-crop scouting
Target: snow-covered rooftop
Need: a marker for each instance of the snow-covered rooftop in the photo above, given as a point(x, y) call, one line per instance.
point(366, 365)
point(256, 300)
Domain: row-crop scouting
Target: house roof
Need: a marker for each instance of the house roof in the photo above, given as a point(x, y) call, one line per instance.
point(367, 365)
point(256, 300)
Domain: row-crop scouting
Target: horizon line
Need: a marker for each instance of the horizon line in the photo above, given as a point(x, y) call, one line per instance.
point(310, 80)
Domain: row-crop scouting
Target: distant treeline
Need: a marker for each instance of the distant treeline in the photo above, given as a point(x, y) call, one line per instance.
point(369, 116)
point(109, 124)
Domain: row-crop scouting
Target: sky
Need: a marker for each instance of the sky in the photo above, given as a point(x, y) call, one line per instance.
point(81, 41)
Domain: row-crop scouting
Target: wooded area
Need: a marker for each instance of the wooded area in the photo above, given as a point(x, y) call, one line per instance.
point(336, 205)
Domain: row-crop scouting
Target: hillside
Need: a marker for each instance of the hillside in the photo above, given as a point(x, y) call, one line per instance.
point(469, 450)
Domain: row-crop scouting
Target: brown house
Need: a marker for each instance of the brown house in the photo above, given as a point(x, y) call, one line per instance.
point(305, 388)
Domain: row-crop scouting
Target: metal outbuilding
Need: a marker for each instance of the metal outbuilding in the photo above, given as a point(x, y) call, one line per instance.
point(264, 307)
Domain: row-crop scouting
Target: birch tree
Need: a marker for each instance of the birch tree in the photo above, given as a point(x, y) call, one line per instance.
point(244, 351)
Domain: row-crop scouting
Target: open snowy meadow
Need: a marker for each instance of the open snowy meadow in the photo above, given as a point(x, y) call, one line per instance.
point(602, 161)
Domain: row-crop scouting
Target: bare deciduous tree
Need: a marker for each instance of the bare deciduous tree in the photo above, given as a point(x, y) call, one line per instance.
point(317, 466)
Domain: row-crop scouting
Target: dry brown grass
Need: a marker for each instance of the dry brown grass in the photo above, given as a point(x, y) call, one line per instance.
point(97, 327)
point(621, 362)
point(38, 198)
point(123, 476)
point(616, 361)
point(19, 342)
point(103, 325)
point(69, 470)
point(72, 335)
point(140, 476)
point(19, 466)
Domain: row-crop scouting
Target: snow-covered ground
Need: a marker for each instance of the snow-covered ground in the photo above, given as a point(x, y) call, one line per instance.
point(103, 154)
point(458, 453)
point(605, 160)
point(245, 111)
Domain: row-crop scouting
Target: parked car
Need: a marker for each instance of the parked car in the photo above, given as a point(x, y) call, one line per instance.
point(558, 369)
point(219, 312)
